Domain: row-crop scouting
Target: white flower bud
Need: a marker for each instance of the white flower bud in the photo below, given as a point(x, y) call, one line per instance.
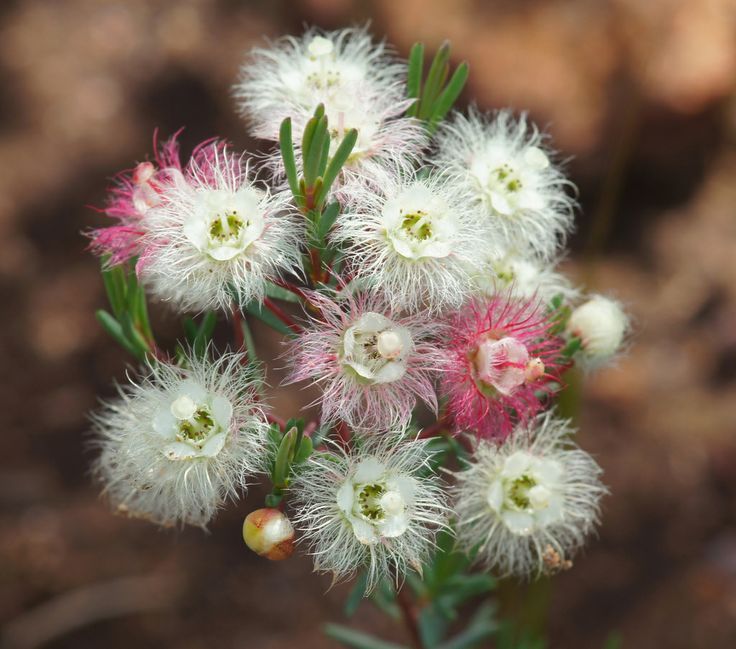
point(269, 533)
point(601, 325)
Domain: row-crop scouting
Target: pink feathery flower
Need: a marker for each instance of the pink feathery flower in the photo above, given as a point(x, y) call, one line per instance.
point(134, 193)
point(370, 362)
point(502, 361)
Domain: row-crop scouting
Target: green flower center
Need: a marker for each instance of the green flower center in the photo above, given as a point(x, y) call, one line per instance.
point(518, 492)
point(505, 176)
point(226, 227)
point(369, 501)
point(198, 428)
point(417, 225)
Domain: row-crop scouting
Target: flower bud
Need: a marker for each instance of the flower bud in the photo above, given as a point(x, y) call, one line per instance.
point(601, 324)
point(269, 533)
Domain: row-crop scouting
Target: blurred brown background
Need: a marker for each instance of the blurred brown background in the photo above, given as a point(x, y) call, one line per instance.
point(641, 95)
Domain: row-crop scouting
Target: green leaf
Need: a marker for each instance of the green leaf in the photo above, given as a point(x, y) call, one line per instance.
point(414, 77)
point(204, 333)
point(327, 220)
point(303, 451)
point(357, 639)
point(286, 144)
point(437, 74)
point(256, 309)
point(279, 293)
point(284, 456)
point(481, 627)
point(190, 330)
point(313, 155)
point(336, 163)
point(357, 593)
point(433, 625)
point(573, 346)
point(614, 641)
point(273, 499)
point(115, 286)
point(115, 329)
point(450, 94)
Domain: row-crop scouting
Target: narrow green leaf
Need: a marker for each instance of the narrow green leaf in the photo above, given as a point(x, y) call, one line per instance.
point(316, 147)
point(274, 498)
point(357, 639)
point(481, 627)
point(337, 161)
point(327, 220)
point(113, 327)
point(435, 78)
point(279, 293)
point(190, 330)
point(357, 593)
point(256, 309)
point(287, 155)
point(573, 346)
point(433, 625)
point(114, 280)
point(284, 455)
point(414, 77)
point(303, 451)
point(308, 135)
point(450, 94)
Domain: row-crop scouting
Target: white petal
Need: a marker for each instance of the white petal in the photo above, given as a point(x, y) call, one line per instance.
point(214, 445)
point(222, 411)
point(179, 451)
point(553, 513)
point(369, 470)
point(361, 370)
point(546, 471)
point(536, 158)
point(183, 408)
point(224, 253)
point(371, 322)
point(501, 204)
point(519, 523)
point(390, 372)
point(164, 423)
point(345, 496)
point(364, 532)
point(516, 464)
point(496, 496)
point(193, 389)
point(195, 230)
point(405, 485)
point(394, 526)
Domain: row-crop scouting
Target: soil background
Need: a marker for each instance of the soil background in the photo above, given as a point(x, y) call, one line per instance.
point(640, 96)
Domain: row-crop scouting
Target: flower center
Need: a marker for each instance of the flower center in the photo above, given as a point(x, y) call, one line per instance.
point(504, 364)
point(323, 74)
point(369, 501)
point(375, 349)
point(417, 225)
point(225, 228)
point(195, 424)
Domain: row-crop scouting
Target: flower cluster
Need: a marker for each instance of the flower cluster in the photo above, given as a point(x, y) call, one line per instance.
point(412, 264)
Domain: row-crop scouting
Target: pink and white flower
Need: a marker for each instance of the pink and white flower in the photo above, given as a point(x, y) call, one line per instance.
point(502, 359)
point(134, 193)
point(371, 364)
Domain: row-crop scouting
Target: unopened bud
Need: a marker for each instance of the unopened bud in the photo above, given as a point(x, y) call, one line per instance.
point(600, 324)
point(269, 533)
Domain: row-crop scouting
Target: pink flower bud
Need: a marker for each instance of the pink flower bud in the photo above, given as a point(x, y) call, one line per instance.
point(269, 533)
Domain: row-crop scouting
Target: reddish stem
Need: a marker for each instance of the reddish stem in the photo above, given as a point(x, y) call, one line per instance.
point(281, 314)
point(410, 616)
point(275, 419)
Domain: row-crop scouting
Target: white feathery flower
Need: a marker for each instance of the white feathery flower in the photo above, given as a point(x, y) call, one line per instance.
point(601, 324)
point(358, 83)
point(216, 235)
point(533, 497)
point(526, 277)
point(505, 165)
point(415, 240)
point(377, 507)
point(180, 442)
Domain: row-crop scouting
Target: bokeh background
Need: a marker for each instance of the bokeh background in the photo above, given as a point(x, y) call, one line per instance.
point(640, 95)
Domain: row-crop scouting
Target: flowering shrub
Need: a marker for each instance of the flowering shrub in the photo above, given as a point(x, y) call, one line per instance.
point(408, 259)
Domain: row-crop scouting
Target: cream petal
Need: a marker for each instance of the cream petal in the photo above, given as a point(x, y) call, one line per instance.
point(364, 532)
point(516, 464)
point(179, 451)
point(519, 523)
point(371, 322)
point(222, 411)
point(536, 158)
point(391, 371)
point(193, 389)
point(164, 423)
point(405, 485)
point(224, 253)
point(437, 249)
point(496, 496)
point(345, 497)
point(394, 526)
point(500, 203)
point(214, 445)
point(547, 471)
point(369, 470)
point(553, 513)
point(404, 248)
